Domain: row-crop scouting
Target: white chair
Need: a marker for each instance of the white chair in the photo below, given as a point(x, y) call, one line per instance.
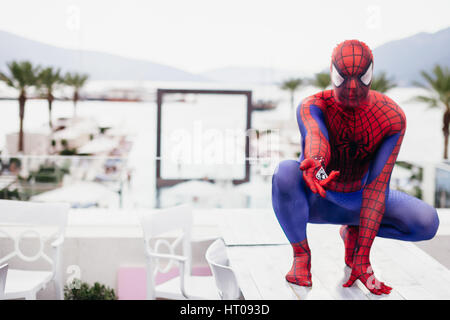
point(3, 272)
point(158, 224)
point(19, 219)
point(226, 282)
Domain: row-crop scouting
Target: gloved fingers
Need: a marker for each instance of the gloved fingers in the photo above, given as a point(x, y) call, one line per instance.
point(309, 182)
point(321, 190)
point(307, 163)
point(333, 175)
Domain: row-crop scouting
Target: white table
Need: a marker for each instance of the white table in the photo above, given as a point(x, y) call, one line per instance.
point(261, 256)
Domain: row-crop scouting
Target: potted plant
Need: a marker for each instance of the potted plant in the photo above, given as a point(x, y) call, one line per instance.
point(79, 290)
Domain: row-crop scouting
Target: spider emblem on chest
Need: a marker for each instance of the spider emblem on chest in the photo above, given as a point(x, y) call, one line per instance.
point(353, 144)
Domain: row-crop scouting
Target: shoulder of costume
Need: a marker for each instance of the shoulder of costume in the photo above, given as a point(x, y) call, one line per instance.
point(321, 99)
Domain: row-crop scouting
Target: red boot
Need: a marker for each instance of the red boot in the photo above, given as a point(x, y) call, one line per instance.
point(349, 234)
point(300, 273)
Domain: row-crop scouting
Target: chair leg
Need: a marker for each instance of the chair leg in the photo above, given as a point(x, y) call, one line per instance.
point(59, 290)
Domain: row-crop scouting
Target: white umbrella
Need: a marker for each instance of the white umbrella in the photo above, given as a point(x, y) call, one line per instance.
point(96, 146)
point(80, 194)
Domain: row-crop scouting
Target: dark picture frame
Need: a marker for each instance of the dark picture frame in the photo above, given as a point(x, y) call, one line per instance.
point(161, 182)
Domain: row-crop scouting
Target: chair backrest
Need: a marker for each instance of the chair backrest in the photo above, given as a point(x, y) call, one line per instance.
point(3, 272)
point(155, 225)
point(165, 220)
point(29, 218)
point(224, 276)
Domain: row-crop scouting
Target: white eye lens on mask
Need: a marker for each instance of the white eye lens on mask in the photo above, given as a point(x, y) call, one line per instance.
point(367, 77)
point(336, 77)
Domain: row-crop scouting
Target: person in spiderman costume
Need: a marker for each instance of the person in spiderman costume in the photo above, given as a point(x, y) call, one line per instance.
point(351, 137)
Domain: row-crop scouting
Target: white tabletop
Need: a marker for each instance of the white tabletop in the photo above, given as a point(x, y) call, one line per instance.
point(260, 261)
point(250, 227)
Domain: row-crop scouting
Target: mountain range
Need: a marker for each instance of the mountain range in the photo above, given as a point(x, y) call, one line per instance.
point(405, 58)
point(402, 59)
point(99, 65)
point(261, 75)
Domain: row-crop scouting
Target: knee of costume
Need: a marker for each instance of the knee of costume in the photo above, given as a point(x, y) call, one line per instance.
point(287, 177)
point(426, 224)
point(417, 219)
point(289, 201)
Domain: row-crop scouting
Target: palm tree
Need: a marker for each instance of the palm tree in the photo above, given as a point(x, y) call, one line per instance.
point(321, 80)
point(48, 78)
point(22, 76)
point(438, 87)
point(77, 81)
point(292, 85)
point(381, 83)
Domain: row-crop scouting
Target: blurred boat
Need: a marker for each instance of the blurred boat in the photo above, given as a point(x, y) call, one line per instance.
point(263, 105)
point(116, 95)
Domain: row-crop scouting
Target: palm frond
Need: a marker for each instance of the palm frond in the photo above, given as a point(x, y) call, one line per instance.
point(382, 83)
point(48, 78)
point(321, 80)
point(438, 86)
point(291, 84)
point(75, 80)
point(432, 102)
point(22, 74)
point(9, 82)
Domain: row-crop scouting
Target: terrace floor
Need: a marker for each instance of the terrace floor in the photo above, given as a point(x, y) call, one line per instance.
point(260, 257)
point(102, 241)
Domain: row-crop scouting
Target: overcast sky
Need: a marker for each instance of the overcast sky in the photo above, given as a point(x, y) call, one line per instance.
point(198, 35)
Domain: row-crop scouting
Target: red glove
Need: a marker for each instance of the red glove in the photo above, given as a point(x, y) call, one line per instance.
point(312, 171)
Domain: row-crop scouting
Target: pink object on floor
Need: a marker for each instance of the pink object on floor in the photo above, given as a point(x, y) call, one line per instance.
point(131, 282)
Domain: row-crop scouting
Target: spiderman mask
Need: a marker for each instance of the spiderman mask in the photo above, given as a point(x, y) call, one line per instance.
point(351, 72)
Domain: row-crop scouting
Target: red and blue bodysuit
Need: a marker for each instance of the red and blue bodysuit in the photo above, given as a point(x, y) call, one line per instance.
point(351, 137)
